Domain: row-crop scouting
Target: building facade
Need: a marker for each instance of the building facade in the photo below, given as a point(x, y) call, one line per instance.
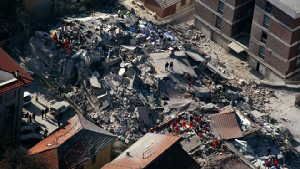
point(163, 8)
point(79, 144)
point(223, 20)
point(13, 79)
point(275, 39)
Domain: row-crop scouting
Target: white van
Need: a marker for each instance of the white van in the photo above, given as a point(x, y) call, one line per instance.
point(59, 107)
point(27, 98)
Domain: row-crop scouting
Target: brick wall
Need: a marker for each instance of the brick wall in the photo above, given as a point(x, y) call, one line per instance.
point(282, 41)
point(235, 14)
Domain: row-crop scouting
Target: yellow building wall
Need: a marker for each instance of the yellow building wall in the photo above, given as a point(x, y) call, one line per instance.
point(102, 158)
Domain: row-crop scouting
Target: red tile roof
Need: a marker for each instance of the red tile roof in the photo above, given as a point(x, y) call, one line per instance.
point(58, 137)
point(61, 135)
point(143, 152)
point(7, 64)
point(225, 125)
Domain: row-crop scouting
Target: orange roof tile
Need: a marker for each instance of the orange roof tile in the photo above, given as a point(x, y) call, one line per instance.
point(61, 135)
point(58, 137)
point(143, 152)
point(7, 64)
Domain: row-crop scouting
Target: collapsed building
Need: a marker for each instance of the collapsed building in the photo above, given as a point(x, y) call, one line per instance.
point(130, 77)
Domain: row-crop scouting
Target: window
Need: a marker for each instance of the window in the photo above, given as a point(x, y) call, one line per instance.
point(266, 21)
point(268, 7)
point(218, 22)
point(261, 52)
point(183, 2)
point(264, 37)
point(221, 7)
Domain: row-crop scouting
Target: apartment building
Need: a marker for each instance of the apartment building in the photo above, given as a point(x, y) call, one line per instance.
point(224, 20)
point(275, 39)
point(12, 81)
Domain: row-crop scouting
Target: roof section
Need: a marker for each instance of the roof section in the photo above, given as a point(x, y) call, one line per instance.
point(6, 78)
point(61, 135)
point(58, 137)
point(93, 127)
point(7, 64)
point(166, 3)
point(225, 125)
point(290, 7)
point(143, 152)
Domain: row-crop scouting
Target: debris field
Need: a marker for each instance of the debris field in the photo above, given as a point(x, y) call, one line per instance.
point(130, 77)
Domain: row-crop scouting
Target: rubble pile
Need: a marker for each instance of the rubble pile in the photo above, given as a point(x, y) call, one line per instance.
point(112, 64)
point(189, 126)
point(130, 76)
point(104, 57)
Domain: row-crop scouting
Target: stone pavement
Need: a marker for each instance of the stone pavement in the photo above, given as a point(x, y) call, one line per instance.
point(49, 123)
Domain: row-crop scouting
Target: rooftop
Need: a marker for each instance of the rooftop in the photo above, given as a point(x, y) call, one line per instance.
point(60, 136)
point(8, 68)
point(143, 152)
point(291, 7)
point(166, 3)
point(225, 125)
point(6, 78)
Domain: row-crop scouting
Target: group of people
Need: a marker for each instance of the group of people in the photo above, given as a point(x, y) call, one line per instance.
point(31, 116)
point(272, 163)
point(169, 66)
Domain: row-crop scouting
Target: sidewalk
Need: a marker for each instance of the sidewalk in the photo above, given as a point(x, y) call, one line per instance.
point(49, 123)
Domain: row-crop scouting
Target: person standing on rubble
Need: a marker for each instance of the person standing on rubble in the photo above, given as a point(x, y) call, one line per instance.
point(30, 118)
point(167, 66)
point(43, 114)
point(171, 66)
point(172, 55)
point(45, 133)
point(132, 11)
point(33, 116)
point(54, 37)
point(109, 53)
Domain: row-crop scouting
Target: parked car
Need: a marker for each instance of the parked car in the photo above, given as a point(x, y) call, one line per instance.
point(27, 98)
point(59, 107)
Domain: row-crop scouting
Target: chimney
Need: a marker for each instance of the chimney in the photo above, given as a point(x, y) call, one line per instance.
point(17, 74)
